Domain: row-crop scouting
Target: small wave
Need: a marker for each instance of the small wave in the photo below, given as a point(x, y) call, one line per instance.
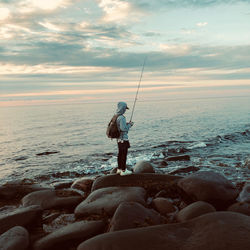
point(198, 145)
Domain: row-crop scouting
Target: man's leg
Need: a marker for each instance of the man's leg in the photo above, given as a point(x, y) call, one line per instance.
point(122, 155)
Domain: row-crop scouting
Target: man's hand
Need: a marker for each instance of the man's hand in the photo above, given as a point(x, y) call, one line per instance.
point(131, 123)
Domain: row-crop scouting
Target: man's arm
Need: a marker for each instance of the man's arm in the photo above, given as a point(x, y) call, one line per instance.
point(124, 126)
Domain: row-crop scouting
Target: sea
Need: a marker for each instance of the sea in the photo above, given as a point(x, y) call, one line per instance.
point(58, 143)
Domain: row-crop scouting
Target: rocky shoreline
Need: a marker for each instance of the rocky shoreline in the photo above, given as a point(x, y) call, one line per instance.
point(142, 211)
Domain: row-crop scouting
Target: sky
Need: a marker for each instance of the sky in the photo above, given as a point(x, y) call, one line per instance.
point(71, 51)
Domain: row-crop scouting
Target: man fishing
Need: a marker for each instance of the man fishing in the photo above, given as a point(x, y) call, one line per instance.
point(122, 141)
point(123, 127)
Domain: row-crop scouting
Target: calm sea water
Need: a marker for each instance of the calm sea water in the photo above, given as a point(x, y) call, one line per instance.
point(214, 132)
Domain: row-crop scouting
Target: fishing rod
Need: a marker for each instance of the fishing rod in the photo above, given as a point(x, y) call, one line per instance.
point(138, 88)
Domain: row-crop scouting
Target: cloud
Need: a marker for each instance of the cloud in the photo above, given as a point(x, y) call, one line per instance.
point(114, 9)
point(53, 43)
point(202, 24)
point(4, 13)
point(119, 11)
point(175, 49)
point(157, 4)
point(27, 6)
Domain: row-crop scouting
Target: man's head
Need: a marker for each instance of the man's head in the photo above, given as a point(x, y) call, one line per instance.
point(121, 108)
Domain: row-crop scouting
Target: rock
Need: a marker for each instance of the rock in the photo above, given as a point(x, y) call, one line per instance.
point(162, 193)
point(49, 199)
point(7, 209)
point(143, 167)
point(49, 218)
point(106, 200)
point(209, 186)
point(162, 164)
point(47, 153)
point(113, 171)
point(20, 217)
point(21, 158)
point(73, 234)
point(17, 189)
point(240, 207)
point(245, 193)
point(185, 170)
point(132, 215)
point(15, 238)
point(163, 206)
point(62, 184)
point(213, 231)
point(84, 184)
point(147, 181)
point(194, 210)
point(60, 221)
point(247, 163)
point(179, 158)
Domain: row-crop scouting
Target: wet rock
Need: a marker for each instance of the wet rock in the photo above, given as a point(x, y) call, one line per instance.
point(15, 238)
point(245, 193)
point(49, 199)
point(21, 158)
point(179, 158)
point(247, 163)
point(106, 200)
point(143, 167)
point(20, 217)
point(49, 218)
point(194, 210)
point(60, 221)
point(47, 153)
point(17, 189)
point(62, 184)
point(185, 170)
point(217, 231)
point(162, 193)
point(113, 171)
point(240, 207)
point(7, 209)
point(132, 215)
point(211, 187)
point(162, 164)
point(84, 184)
point(73, 233)
point(163, 206)
point(147, 181)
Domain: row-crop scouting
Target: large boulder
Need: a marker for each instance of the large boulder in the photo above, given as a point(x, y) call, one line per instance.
point(143, 167)
point(51, 199)
point(148, 181)
point(209, 186)
point(245, 193)
point(70, 234)
point(132, 214)
point(15, 238)
point(217, 231)
point(194, 210)
point(106, 200)
point(240, 207)
point(20, 217)
point(19, 188)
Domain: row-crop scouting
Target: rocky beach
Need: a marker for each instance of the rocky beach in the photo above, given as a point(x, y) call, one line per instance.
point(148, 210)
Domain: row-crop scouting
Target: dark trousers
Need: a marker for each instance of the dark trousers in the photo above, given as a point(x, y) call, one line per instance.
point(122, 154)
